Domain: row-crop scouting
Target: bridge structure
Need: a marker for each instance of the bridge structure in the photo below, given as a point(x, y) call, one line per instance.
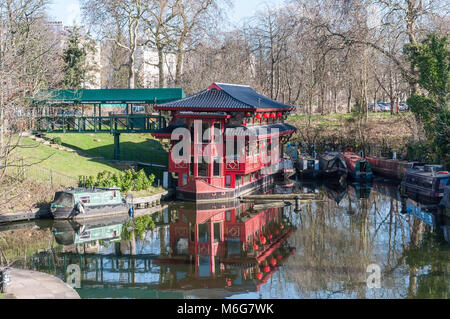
point(51, 114)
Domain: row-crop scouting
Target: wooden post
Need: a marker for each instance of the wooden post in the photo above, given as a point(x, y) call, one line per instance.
point(51, 177)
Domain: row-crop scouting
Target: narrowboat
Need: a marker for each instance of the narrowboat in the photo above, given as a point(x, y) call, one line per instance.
point(358, 168)
point(426, 184)
point(308, 166)
point(87, 203)
point(287, 168)
point(332, 166)
point(391, 168)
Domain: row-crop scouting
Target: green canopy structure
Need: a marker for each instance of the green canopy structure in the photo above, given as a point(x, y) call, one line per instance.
point(109, 96)
point(48, 120)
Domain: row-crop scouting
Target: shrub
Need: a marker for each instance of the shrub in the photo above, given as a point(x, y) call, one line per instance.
point(56, 140)
point(129, 180)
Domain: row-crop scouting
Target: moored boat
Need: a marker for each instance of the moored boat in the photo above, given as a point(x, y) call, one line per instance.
point(391, 168)
point(307, 166)
point(445, 202)
point(425, 183)
point(332, 166)
point(87, 203)
point(358, 168)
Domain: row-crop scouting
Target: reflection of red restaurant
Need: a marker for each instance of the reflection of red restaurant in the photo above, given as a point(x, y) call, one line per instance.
point(213, 246)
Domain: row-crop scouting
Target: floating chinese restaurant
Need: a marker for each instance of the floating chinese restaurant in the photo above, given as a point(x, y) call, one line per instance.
point(222, 115)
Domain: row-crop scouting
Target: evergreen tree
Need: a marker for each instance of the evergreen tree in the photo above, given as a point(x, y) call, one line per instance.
point(75, 58)
point(431, 57)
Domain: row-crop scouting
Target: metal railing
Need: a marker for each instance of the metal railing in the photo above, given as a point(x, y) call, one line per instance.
point(112, 123)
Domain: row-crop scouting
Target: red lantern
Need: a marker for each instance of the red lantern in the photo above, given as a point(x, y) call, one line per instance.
point(255, 247)
point(279, 114)
point(266, 269)
point(266, 115)
point(259, 276)
point(270, 236)
point(263, 240)
point(229, 283)
point(258, 116)
point(273, 262)
point(272, 115)
point(279, 257)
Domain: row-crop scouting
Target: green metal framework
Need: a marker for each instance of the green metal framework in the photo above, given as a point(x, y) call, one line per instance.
point(109, 96)
point(114, 124)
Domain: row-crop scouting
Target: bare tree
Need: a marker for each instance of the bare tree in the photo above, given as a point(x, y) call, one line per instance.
point(118, 21)
point(29, 61)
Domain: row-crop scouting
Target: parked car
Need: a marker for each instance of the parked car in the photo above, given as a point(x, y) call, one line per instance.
point(384, 107)
point(69, 113)
point(402, 107)
point(136, 109)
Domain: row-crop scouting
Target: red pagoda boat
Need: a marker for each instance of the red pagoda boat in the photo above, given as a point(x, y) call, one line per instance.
point(251, 125)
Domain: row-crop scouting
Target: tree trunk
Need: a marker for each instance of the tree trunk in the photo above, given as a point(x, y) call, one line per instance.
point(131, 71)
point(349, 99)
point(179, 65)
point(161, 79)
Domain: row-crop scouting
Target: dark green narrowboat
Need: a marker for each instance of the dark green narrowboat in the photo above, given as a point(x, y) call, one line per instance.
point(87, 203)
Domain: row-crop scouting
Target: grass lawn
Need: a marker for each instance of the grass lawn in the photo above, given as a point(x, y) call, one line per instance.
point(133, 147)
point(70, 164)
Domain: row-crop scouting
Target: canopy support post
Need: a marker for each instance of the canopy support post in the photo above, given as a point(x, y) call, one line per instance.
point(117, 146)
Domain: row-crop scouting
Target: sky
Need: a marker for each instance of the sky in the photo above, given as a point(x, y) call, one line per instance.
point(68, 11)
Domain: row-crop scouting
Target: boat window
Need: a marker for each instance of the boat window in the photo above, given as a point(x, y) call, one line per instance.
point(228, 180)
point(216, 167)
point(63, 199)
point(205, 127)
point(85, 199)
point(217, 130)
point(217, 233)
point(442, 183)
point(202, 167)
point(228, 216)
point(203, 233)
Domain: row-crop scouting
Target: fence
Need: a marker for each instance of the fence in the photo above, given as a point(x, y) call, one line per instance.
point(38, 173)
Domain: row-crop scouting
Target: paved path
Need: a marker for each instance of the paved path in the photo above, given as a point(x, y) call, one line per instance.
point(27, 284)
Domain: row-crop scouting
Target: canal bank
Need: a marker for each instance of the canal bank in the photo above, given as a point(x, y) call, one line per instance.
point(28, 284)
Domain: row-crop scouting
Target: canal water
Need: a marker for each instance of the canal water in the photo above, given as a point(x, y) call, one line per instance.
point(356, 241)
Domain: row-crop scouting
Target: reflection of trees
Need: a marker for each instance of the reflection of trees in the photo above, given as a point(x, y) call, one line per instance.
point(432, 255)
point(332, 252)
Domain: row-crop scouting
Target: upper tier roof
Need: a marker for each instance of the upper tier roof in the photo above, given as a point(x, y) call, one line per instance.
point(219, 96)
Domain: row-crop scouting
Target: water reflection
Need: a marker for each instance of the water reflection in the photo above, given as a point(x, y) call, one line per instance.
point(245, 250)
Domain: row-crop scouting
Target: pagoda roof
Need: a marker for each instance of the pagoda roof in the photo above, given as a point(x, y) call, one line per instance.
point(226, 97)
